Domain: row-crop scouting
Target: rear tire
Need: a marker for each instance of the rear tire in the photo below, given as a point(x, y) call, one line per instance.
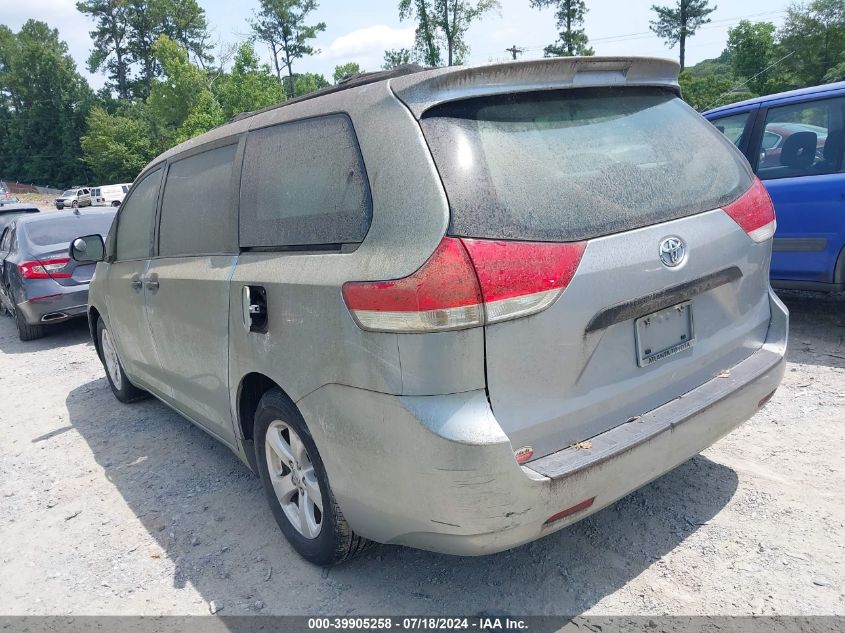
point(27, 332)
point(122, 389)
point(115, 203)
point(289, 479)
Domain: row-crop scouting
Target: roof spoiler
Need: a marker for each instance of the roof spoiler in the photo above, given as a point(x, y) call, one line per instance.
point(422, 90)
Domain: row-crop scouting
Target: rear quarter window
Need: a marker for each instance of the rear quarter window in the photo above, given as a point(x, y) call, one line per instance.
point(577, 164)
point(304, 183)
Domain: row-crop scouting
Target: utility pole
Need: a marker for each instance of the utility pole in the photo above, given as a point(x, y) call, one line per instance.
point(514, 51)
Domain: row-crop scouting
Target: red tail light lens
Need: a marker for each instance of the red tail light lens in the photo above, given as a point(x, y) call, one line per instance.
point(754, 212)
point(442, 295)
point(467, 283)
point(520, 278)
point(44, 269)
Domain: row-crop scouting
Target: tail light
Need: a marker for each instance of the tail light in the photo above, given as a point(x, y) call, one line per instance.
point(467, 283)
point(754, 212)
point(44, 269)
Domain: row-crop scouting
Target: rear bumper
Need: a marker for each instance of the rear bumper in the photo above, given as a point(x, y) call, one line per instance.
point(438, 473)
point(62, 304)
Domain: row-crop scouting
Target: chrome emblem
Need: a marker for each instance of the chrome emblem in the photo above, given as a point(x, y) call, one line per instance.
point(673, 251)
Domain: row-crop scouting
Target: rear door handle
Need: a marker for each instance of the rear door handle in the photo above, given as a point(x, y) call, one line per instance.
point(151, 282)
point(135, 282)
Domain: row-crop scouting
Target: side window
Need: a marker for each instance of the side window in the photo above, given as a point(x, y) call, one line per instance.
point(135, 221)
point(802, 139)
point(732, 126)
point(304, 183)
point(198, 193)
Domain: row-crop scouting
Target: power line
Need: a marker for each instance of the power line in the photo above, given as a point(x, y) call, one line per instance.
point(715, 24)
point(772, 65)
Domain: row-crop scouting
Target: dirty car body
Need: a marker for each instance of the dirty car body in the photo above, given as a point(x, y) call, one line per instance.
point(547, 289)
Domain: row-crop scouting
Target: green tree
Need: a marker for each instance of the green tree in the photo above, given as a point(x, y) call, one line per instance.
point(455, 17)
point(310, 82)
point(397, 57)
point(703, 92)
point(425, 35)
point(181, 95)
point(351, 68)
point(250, 86)
point(443, 22)
point(182, 21)
point(111, 41)
point(678, 23)
point(815, 35)
point(205, 114)
point(186, 24)
point(44, 102)
point(117, 146)
point(282, 25)
point(572, 39)
point(753, 50)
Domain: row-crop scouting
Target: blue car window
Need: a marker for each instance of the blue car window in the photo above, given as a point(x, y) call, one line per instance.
point(733, 126)
point(802, 139)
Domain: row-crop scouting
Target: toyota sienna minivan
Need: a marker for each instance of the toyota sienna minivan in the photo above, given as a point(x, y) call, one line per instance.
point(456, 309)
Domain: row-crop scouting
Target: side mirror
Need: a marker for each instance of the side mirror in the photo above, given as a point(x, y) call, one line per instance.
point(88, 249)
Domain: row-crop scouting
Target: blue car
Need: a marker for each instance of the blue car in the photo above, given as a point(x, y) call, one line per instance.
point(794, 142)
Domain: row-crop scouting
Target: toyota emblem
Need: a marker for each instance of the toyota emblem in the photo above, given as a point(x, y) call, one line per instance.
point(673, 251)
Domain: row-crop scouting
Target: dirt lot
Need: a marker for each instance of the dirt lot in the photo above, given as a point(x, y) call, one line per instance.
point(114, 509)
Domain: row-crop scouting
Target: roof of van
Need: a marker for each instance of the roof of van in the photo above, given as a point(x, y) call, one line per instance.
point(800, 92)
point(420, 87)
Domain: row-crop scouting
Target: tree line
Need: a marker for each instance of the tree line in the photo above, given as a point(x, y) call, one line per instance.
point(167, 79)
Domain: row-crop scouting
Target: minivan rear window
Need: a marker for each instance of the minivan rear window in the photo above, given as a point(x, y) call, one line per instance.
point(577, 164)
point(304, 184)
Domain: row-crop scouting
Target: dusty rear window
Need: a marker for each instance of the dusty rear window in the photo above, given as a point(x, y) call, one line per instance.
point(577, 164)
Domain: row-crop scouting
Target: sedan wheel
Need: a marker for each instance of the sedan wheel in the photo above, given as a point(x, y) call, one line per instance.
point(294, 479)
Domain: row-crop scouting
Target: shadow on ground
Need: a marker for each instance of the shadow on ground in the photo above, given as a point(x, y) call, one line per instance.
point(206, 510)
point(816, 327)
point(70, 332)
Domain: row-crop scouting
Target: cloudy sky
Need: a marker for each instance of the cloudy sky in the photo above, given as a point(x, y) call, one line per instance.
point(361, 31)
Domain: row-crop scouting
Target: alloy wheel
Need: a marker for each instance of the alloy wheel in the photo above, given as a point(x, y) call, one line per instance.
point(294, 479)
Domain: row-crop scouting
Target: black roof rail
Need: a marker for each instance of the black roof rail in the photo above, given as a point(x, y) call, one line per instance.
point(350, 81)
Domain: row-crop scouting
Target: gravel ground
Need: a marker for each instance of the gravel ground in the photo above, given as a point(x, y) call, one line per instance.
point(114, 509)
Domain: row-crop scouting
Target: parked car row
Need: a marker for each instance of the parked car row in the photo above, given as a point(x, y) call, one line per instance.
point(103, 196)
point(456, 309)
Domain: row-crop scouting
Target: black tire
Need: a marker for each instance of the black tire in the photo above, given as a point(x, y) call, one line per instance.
point(74, 204)
point(115, 203)
point(336, 541)
point(127, 391)
point(26, 331)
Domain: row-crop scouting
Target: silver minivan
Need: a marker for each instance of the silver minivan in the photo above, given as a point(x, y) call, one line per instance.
point(456, 308)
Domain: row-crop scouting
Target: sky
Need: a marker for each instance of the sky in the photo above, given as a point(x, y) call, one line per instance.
point(361, 31)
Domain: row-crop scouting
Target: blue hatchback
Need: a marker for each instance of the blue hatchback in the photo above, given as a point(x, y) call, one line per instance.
point(794, 142)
